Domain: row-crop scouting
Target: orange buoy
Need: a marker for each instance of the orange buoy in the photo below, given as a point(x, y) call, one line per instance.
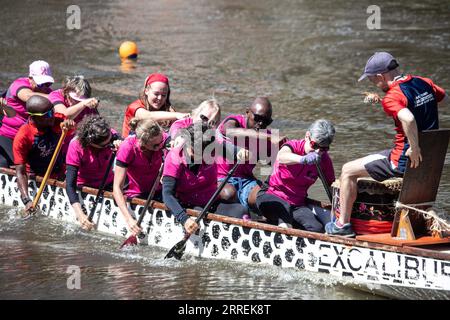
point(128, 50)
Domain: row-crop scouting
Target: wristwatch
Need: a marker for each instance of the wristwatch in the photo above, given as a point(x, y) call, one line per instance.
point(25, 200)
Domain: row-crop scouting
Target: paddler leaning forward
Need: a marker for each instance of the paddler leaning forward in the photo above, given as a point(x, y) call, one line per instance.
point(190, 179)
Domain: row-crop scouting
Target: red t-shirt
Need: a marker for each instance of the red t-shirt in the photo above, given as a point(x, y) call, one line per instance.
point(129, 114)
point(395, 100)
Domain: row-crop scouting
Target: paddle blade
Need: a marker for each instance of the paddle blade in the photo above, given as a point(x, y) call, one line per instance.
point(177, 250)
point(131, 241)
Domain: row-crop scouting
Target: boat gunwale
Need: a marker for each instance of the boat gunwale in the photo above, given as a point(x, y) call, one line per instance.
point(405, 249)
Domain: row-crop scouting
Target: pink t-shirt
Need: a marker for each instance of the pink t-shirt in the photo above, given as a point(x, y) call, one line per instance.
point(57, 97)
point(243, 170)
point(191, 189)
point(10, 126)
point(142, 168)
point(91, 163)
point(291, 182)
point(178, 125)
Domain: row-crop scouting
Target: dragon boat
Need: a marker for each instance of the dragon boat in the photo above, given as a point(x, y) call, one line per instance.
point(415, 264)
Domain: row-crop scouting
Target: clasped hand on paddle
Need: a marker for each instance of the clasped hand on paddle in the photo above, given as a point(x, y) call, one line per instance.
point(28, 210)
point(309, 158)
point(133, 226)
point(115, 145)
point(85, 223)
point(91, 103)
point(243, 155)
point(67, 125)
point(191, 226)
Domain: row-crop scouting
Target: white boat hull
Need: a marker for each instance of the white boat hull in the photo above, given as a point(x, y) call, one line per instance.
point(349, 260)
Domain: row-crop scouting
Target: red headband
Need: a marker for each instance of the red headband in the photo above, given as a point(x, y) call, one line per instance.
point(156, 77)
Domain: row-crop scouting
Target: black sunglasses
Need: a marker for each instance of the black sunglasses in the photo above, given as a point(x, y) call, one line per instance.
point(105, 143)
point(316, 146)
point(261, 119)
point(108, 144)
point(159, 145)
point(44, 85)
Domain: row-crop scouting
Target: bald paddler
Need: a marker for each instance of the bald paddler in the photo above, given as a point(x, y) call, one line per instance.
point(35, 143)
point(239, 130)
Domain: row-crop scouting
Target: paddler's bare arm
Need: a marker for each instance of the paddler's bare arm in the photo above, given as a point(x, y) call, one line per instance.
point(241, 132)
point(286, 156)
point(119, 180)
point(25, 94)
point(159, 115)
point(71, 190)
point(410, 127)
point(22, 182)
point(232, 130)
point(76, 109)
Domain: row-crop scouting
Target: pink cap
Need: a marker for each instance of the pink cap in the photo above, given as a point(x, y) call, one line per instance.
point(40, 72)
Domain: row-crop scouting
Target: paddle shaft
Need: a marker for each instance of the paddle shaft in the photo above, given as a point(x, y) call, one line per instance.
point(151, 194)
point(178, 249)
point(102, 186)
point(132, 240)
point(214, 196)
point(50, 168)
point(324, 181)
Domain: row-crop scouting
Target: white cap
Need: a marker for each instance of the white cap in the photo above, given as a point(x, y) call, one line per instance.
point(40, 72)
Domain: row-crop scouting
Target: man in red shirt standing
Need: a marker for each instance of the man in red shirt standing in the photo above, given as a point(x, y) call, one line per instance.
point(35, 143)
point(412, 102)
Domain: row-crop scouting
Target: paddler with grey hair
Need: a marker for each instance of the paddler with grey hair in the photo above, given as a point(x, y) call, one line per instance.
point(283, 201)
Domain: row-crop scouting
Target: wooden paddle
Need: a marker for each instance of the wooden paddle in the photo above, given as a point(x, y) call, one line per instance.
point(177, 250)
point(49, 169)
point(132, 240)
point(101, 189)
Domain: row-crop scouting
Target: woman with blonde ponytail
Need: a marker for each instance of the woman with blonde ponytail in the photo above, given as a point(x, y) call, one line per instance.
point(138, 159)
point(207, 113)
